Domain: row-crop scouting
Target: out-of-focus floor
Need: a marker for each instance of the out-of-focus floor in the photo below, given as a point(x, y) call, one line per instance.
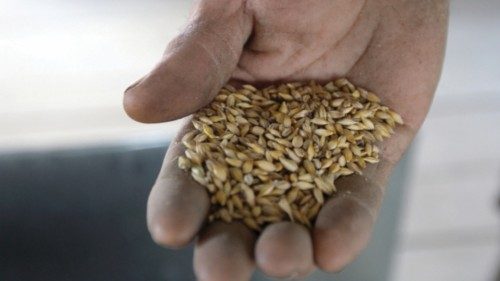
point(65, 64)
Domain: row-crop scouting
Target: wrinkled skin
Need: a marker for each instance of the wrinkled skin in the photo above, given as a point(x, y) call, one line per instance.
point(393, 48)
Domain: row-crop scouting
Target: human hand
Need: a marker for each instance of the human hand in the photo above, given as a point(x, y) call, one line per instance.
point(393, 48)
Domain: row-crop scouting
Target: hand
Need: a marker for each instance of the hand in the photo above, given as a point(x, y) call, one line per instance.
point(393, 48)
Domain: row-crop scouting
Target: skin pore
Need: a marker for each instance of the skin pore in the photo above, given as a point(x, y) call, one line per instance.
point(393, 48)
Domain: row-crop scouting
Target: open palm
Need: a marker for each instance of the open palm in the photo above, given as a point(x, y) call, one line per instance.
point(393, 48)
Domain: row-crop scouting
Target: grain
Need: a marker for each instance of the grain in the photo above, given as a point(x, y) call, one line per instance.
point(273, 154)
point(266, 165)
point(184, 163)
point(234, 162)
point(289, 164)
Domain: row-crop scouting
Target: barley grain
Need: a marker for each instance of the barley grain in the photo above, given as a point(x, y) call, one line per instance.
point(265, 155)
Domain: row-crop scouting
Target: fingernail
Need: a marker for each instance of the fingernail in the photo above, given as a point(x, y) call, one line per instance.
point(133, 85)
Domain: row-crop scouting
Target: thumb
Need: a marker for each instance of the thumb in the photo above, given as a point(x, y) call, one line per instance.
point(195, 65)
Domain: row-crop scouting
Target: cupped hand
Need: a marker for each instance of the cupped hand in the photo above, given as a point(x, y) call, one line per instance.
point(393, 48)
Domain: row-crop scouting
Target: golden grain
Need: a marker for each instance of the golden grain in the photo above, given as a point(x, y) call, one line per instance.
point(183, 163)
point(265, 165)
point(234, 162)
point(267, 155)
point(289, 164)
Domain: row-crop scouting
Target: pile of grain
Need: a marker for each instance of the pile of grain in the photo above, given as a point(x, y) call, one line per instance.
point(274, 154)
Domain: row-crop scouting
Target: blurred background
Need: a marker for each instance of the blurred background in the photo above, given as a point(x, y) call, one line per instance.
point(63, 68)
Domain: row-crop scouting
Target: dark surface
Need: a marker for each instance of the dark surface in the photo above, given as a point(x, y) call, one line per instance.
point(80, 215)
